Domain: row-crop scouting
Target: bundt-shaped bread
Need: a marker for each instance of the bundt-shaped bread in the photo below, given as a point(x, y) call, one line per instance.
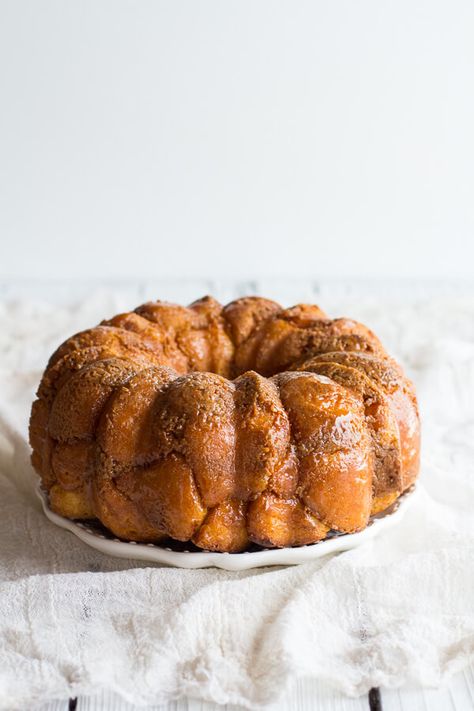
point(225, 425)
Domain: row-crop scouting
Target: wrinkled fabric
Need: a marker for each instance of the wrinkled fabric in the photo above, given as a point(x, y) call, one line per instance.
point(397, 609)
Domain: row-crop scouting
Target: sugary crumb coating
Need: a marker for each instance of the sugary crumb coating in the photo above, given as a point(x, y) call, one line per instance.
point(225, 426)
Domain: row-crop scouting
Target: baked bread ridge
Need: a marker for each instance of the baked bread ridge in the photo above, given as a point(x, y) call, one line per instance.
point(225, 425)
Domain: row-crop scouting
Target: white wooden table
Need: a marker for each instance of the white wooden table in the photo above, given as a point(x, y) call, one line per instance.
point(309, 695)
point(306, 695)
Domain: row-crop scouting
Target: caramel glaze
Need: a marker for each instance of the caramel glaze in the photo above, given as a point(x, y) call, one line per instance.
point(225, 425)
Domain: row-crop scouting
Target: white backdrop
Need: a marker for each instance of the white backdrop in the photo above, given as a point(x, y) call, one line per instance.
point(236, 138)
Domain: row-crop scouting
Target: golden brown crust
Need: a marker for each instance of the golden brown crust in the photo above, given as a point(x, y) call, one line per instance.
point(125, 430)
point(285, 337)
point(276, 522)
point(263, 434)
point(243, 316)
point(194, 338)
point(332, 448)
point(224, 528)
point(138, 424)
point(380, 420)
point(386, 374)
point(195, 418)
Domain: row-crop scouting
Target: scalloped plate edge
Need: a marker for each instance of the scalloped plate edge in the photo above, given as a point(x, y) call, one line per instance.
point(231, 561)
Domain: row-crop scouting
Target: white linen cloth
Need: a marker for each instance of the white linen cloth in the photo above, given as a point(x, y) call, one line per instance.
point(397, 609)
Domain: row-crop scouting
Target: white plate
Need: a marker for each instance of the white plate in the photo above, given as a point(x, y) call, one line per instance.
point(102, 540)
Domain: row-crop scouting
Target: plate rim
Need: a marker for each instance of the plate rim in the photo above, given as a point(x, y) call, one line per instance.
point(152, 553)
